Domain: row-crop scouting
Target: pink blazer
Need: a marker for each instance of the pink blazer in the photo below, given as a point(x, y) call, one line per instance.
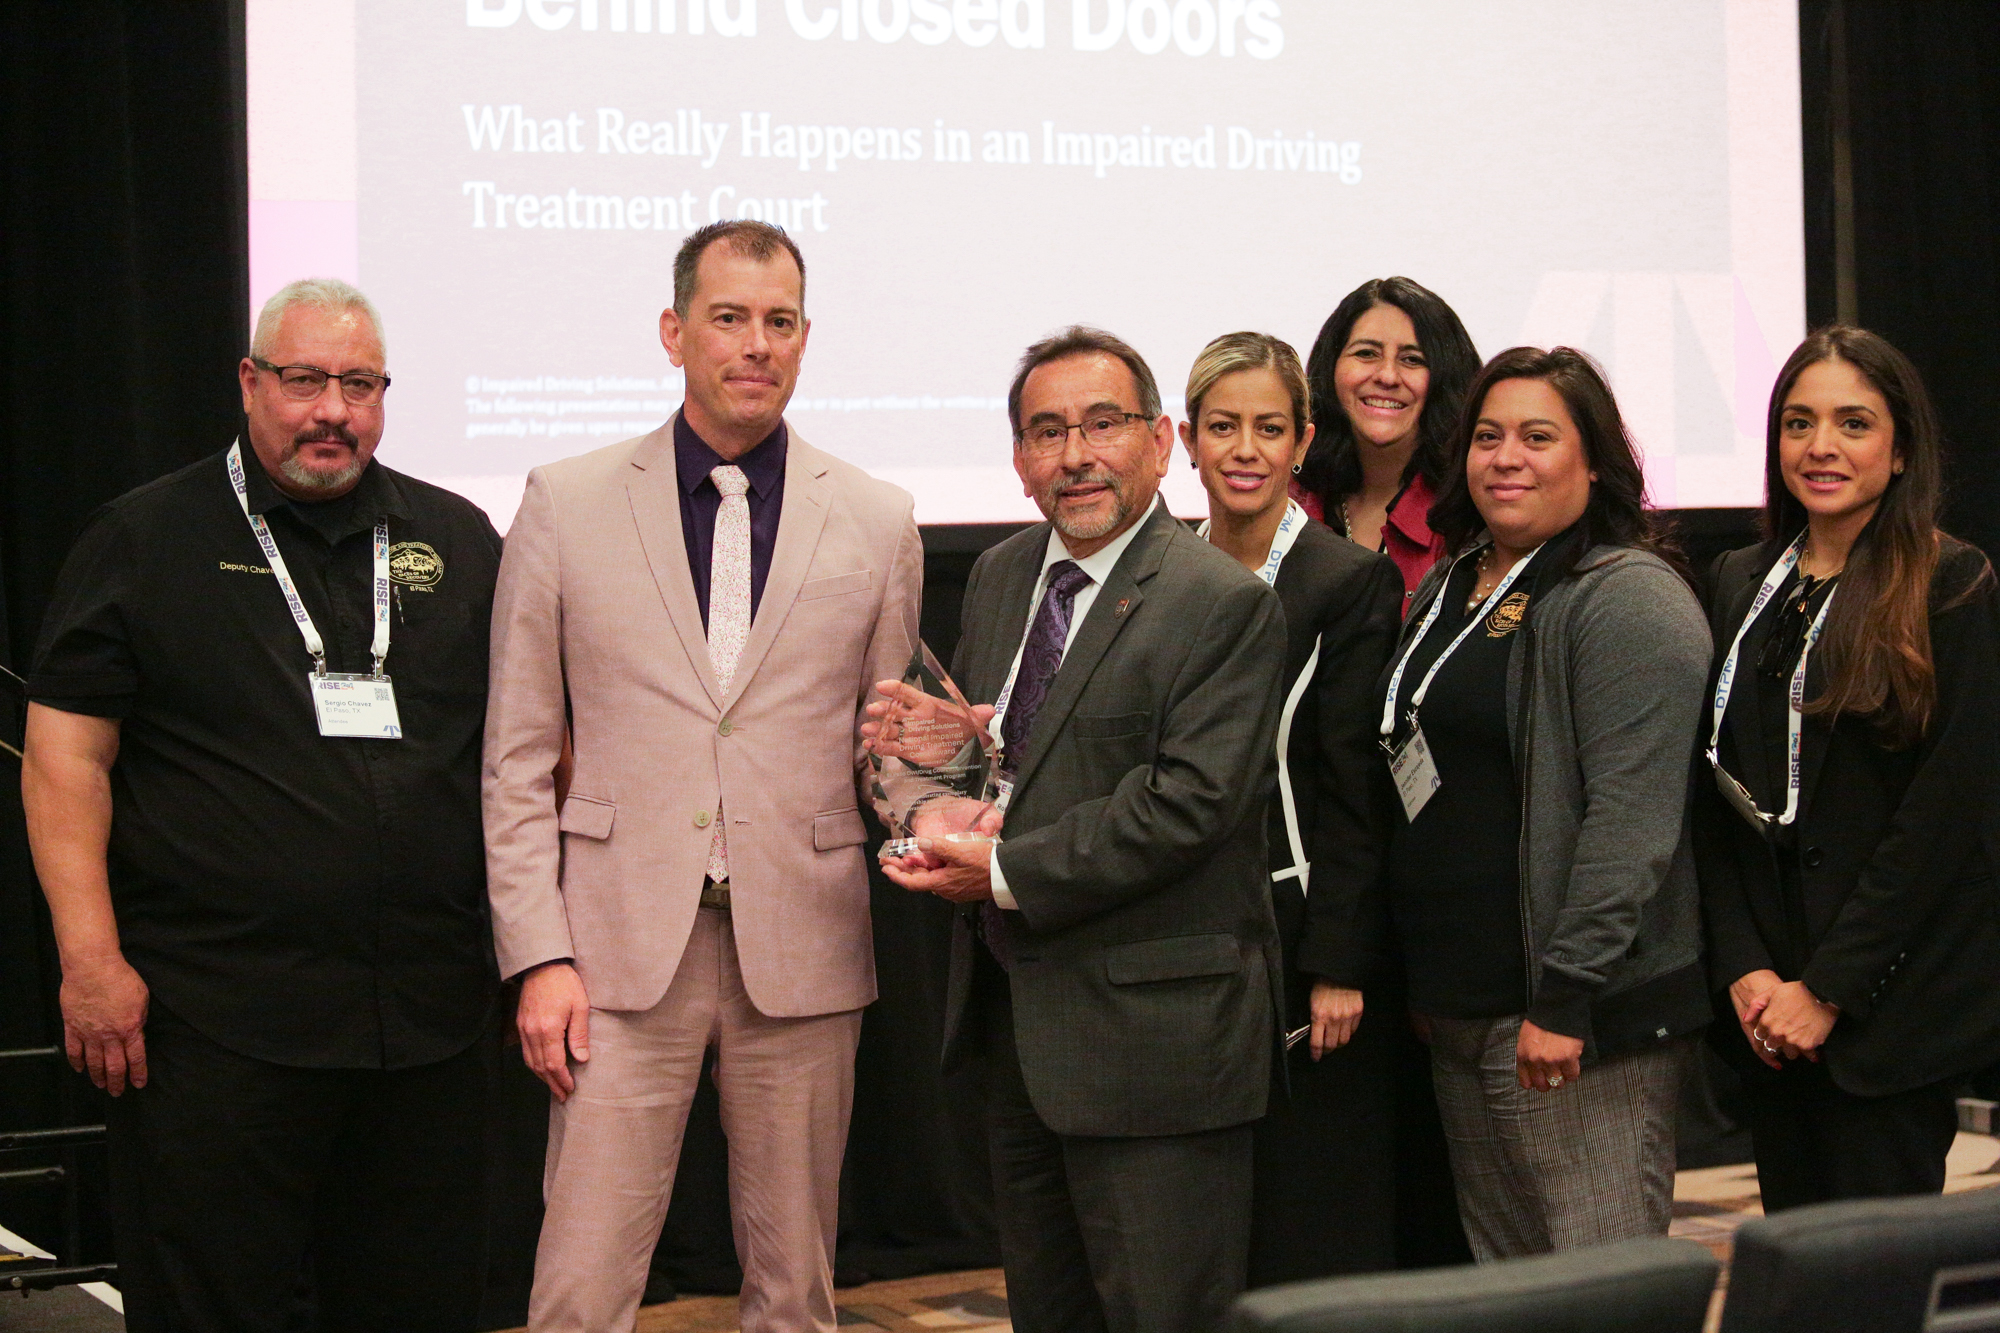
point(596, 626)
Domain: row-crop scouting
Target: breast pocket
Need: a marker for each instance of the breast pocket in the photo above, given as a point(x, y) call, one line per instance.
point(1112, 727)
point(1105, 747)
point(437, 644)
point(836, 585)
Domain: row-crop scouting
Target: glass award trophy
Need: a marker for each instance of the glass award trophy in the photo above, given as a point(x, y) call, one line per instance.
point(931, 763)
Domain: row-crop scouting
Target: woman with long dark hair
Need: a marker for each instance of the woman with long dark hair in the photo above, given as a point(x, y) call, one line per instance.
point(1323, 1194)
point(1388, 374)
point(1848, 844)
point(1539, 715)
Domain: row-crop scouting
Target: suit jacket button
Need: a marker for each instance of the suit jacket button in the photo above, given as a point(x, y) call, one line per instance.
point(726, 727)
point(1813, 857)
point(701, 819)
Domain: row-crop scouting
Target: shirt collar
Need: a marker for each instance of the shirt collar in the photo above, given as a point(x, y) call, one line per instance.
point(1100, 565)
point(374, 496)
point(764, 464)
point(1411, 509)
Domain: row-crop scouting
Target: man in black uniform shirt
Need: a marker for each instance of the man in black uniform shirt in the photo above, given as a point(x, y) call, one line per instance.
point(264, 861)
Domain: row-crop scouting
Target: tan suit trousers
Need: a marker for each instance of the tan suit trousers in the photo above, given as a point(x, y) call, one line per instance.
point(787, 1087)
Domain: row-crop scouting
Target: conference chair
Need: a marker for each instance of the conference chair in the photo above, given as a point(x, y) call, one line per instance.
point(1636, 1286)
point(1912, 1265)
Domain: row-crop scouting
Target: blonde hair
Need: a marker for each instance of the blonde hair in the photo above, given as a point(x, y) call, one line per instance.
point(1234, 352)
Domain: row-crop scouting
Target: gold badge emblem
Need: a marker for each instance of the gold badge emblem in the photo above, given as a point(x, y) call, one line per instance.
point(416, 565)
point(1507, 617)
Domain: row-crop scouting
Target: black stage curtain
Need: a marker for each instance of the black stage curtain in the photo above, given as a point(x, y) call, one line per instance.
point(1914, 91)
point(122, 223)
point(123, 254)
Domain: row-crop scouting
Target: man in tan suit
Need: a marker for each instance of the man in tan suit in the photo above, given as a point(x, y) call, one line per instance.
point(703, 611)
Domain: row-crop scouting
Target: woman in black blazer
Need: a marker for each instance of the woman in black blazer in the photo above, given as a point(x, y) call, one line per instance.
point(1324, 1197)
point(1850, 900)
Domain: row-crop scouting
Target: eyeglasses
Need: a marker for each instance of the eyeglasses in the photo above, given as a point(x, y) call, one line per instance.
point(361, 388)
point(1101, 428)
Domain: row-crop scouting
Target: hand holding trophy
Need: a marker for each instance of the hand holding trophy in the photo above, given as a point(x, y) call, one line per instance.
point(930, 757)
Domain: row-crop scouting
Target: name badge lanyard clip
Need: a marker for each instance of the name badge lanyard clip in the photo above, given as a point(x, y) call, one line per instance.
point(346, 705)
point(1410, 763)
point(1733, 791)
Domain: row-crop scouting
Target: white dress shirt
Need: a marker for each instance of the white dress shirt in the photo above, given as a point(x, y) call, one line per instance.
point(1098, 567)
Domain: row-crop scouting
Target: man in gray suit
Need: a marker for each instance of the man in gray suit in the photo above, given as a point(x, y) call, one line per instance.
point(1114, 967)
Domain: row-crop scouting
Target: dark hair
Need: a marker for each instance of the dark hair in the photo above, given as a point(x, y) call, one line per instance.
point(1332, 466)
point(1616, 514)
point(1082, 340)
point(748, 237)
point(1876, 648)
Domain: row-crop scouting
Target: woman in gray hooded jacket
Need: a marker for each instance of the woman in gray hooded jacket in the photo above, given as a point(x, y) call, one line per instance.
point(1539, 717)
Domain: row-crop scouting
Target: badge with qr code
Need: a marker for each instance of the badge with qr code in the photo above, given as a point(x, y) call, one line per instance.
point(363, 706)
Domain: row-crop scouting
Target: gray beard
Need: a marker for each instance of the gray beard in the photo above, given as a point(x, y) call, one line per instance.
point(1121, 509)
point(329, 484)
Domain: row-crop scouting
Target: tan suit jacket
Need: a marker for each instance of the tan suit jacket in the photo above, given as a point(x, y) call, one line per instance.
point(595, 625)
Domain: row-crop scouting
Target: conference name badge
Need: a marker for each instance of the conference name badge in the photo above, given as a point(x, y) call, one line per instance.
point(363, 706)
point(1416, 775)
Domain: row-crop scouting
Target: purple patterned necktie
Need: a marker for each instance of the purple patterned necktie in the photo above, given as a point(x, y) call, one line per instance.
point(1041, 656)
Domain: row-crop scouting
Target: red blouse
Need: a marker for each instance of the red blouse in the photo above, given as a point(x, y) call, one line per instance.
point(1406, 538)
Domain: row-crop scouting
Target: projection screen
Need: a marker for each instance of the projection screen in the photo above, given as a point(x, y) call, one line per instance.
point(509, 179)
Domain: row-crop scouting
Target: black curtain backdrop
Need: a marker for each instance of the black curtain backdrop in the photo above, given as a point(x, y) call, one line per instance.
point(1914, 92)
point(123, 248)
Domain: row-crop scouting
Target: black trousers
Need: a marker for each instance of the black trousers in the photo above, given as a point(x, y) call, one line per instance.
point(1108, 1235)
point(1325, 1193)
point(1815, 1143)
point(250, 1197)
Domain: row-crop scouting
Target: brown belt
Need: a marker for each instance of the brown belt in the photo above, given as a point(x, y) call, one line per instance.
point(715, 895)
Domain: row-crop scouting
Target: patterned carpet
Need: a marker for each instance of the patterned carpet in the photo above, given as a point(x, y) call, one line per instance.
point(912, 1305)
point(1708, 1207)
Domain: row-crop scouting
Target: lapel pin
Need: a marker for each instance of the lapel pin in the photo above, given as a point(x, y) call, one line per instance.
point(1124, 605)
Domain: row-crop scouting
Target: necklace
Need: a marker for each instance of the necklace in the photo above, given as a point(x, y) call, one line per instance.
point(1347, 525)
point(1479, 569)
point(1806, 558)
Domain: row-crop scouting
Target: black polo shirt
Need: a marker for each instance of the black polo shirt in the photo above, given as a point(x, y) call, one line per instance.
point(1454, 872)
point(302, 899)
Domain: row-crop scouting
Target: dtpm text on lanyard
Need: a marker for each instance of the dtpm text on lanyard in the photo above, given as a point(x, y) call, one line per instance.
point(1410, 763)
point(1733, 791)
point(346, 705)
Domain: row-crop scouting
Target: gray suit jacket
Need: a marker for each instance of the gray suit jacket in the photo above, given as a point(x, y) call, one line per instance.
point(1145, 959)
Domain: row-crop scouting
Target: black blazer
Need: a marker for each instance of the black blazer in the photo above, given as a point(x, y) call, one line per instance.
point(1346, 603)
point(1895, 853)
point(1145, 963)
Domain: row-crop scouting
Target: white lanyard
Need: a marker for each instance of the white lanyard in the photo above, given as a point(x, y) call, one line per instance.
point(307, 630)
point(1288, 531)
point(1007, 690)
point(1289, 527)
point(1795, 694)
point(1430, 618)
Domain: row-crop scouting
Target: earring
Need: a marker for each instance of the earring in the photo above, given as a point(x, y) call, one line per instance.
point(1296, 467)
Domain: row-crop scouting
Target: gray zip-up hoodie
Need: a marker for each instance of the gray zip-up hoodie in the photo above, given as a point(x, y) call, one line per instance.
point(1605, 685)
